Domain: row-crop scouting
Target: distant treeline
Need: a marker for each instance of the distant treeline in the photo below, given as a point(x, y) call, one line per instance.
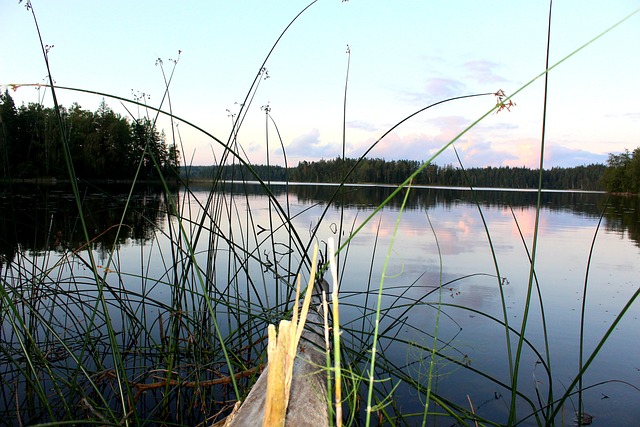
point(105, 145)
point(396, 171)
point(102, 144)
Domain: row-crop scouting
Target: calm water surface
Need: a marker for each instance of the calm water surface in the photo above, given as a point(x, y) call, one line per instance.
point(479, 252)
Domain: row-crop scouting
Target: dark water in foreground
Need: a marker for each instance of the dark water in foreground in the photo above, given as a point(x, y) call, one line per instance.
point(584, 239)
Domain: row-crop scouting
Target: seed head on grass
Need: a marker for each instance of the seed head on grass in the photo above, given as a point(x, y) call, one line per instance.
point(501, 101)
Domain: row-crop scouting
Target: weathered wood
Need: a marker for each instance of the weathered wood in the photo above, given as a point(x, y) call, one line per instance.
point(308, 396)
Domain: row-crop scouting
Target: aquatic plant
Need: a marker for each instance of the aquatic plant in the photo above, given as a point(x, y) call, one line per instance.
point(80, 343)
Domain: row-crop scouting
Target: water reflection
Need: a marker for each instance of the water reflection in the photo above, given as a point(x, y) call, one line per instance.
point(45, 218)
point(40, 218)
point(622, 216)
point(455, 253)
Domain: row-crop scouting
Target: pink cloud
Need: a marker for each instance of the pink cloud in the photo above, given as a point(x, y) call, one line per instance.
point(442, 88)
point(309, 146)
point(474, 152)
point(483, 71)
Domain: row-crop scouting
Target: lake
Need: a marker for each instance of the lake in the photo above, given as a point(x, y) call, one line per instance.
point(452, 267)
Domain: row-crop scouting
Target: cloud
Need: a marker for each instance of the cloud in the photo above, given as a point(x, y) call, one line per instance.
point(481, 153)
point(629, 116)
point(502, 126)
point(475, 150)
point(413, 146)
point(436, 89)
point(362, 125)
point(526, 152)
point(309, 146)
point(396, 147)
point(557, 155)
point(483, 71)
point(479, 148)
point(253, 148)
point(442, 88)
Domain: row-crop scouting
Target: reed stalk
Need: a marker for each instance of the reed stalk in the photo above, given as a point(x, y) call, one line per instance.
point(87, 340)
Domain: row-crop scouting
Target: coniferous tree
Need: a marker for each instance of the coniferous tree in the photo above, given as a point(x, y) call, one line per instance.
point(8, 130)
point(623, 172)
point(102, 144)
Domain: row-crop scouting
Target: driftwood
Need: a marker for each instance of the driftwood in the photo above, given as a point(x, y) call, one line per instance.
point(307, 405)
point(166, 382)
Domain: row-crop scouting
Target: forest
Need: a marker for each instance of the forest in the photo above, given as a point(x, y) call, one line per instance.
point(623, 172)
point(102, 144)
point(586, 178)
point(107, 146)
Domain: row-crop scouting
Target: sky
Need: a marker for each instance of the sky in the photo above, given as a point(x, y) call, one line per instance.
point(401, 57)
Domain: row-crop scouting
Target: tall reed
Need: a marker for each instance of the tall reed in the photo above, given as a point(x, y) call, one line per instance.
point(93, 342)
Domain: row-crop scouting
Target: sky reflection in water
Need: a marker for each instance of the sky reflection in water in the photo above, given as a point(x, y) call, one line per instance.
point(565, 236)
point(460, 244)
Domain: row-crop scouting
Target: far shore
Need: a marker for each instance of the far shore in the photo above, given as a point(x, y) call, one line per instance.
point(51, 181)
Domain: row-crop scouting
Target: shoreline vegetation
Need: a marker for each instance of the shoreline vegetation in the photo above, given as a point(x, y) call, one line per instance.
point(382, 172)
point(107, 148)
point(173, 331)
point(103, 145)
point(194, 175)
point(31, 154)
